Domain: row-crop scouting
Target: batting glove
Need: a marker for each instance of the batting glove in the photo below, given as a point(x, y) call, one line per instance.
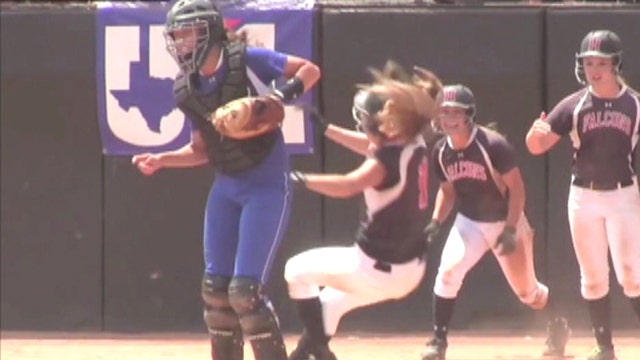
point(431, 231)
point(506, 241)
point(320, 123)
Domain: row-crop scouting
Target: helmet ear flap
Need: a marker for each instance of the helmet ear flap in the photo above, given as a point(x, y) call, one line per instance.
point(471, 113)
point(617, 62)
point(579, 71)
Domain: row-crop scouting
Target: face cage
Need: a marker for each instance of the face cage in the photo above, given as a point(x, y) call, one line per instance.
point(190, 51)
point(365, 123)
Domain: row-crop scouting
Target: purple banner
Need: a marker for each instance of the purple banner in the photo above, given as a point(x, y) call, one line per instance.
point(136, 109)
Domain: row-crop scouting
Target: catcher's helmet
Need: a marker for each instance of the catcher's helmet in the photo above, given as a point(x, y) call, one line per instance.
point(365, 106)
point(599, 43)
point(458, 96)
point(201, 27)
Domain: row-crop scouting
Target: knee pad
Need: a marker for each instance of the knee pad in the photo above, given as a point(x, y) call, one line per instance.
point(536, 298)
point(219, 316)
point(245, 296)
point(215, 290)
point(257, 319)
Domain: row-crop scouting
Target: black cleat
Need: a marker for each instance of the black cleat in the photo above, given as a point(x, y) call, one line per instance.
point(601, 353)
point(436, 350)
point(558, 333)
point(306, 350)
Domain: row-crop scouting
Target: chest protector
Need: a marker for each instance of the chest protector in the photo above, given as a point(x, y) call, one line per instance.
point(226, 154)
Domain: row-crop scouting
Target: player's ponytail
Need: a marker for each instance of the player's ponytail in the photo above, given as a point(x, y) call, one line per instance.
point(624, 83)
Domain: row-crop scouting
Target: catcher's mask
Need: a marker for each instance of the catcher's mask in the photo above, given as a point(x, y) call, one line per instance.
point(599, 43)
point(365, 107)
point(192, 29)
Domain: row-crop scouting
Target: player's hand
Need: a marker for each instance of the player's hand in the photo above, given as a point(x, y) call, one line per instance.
point(540, 125)
point(147, 163)
point(320, 123)
point(431, 231)
point(506, 241)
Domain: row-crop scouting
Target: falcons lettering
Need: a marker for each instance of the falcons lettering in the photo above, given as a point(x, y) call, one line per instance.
point(464, 169)
point(607, 119)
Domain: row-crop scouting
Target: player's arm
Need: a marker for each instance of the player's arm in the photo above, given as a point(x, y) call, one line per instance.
point(540, 137)
point(303, 69)
point(269, 65)
point(353, 140)
point(445, 200)
point(370, 174)
point(546, 131)
point(190, 155)
point(513, 180)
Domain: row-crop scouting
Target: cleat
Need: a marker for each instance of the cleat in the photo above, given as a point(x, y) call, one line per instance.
point(306, 350)
point(558, 333)
point(601, 353)
point(436, 350)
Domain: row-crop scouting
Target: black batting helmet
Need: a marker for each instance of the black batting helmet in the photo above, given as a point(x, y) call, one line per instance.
point(599, 43)
point(459, 96)
point(365, 107)
point(205, 20)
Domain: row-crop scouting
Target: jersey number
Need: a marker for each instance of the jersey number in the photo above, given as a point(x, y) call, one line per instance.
point(423, 184)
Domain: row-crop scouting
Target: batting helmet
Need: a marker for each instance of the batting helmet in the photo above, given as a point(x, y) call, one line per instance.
point(201, 27)
point(599, 43)
point(458, 96)
point(365, 106)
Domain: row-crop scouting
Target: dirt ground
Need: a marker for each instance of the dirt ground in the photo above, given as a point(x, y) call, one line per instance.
point(351, 346)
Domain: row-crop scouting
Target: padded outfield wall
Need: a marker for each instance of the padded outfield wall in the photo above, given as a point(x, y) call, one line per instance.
point(90, 244)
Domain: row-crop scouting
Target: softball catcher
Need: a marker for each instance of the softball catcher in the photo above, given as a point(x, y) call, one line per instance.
point(477, 169)
point(249, 203)
point(603, 121)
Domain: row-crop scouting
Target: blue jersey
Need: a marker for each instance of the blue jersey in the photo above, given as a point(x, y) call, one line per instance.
point(263, 67)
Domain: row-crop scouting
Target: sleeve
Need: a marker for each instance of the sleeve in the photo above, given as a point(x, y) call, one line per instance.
point(561, 117)
point(502, 154)
point(636, 96)
point(435, 160)
point(267, 64)
point(389, 157)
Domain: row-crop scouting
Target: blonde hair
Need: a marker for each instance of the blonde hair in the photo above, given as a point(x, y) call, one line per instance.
point(623, 82)
point(408, 108)
point(427, 80)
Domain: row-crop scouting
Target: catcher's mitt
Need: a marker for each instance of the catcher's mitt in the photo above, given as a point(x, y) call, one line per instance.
point(247, 117)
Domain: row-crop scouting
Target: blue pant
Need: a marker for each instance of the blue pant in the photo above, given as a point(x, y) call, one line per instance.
point(245, 221)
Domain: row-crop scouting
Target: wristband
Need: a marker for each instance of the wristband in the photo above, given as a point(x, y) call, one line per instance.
point(290, 90)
